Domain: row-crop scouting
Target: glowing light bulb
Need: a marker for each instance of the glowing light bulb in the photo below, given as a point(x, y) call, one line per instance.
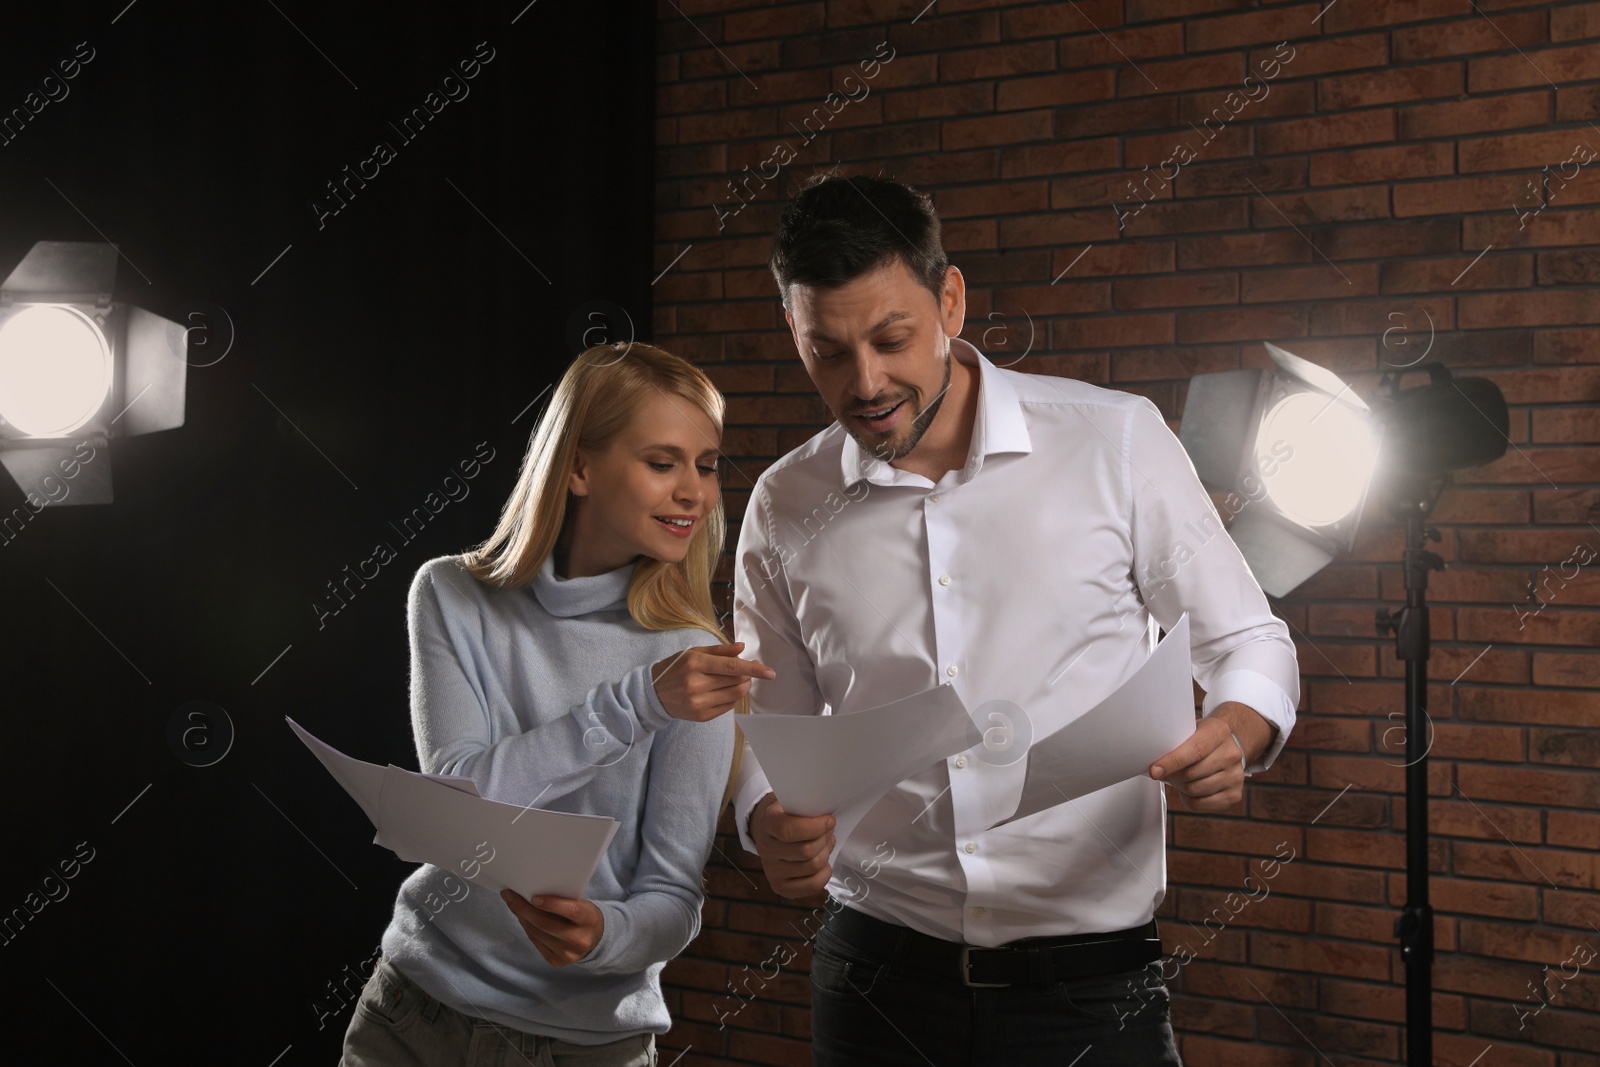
point(1334, 451)
point(55, 370)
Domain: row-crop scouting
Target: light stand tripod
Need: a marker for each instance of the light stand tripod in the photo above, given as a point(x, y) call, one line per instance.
point(1409, 625)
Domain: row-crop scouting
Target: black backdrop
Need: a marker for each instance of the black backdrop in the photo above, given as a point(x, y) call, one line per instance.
point(364, 356)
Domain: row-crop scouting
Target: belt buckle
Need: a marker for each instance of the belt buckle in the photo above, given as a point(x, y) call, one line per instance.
point(966, 973)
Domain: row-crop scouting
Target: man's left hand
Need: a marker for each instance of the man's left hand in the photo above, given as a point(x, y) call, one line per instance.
point(1206, 768)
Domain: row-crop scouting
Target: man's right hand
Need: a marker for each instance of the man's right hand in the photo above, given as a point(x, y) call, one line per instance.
point(794, 849)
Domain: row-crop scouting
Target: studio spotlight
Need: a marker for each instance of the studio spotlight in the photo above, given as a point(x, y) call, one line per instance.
point(1448, 425)
point(1307, 455)
point(1298, 448)
point(77, 369)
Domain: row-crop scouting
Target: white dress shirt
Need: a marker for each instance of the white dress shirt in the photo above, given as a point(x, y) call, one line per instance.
point(1034, 575)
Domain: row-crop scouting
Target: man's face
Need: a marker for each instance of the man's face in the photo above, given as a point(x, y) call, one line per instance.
point(879, 346)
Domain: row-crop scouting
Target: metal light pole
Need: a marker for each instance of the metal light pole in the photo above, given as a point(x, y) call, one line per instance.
point(1409, 625)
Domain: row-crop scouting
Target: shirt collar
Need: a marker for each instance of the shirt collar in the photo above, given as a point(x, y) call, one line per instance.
point(998, 426)
point(567, 597)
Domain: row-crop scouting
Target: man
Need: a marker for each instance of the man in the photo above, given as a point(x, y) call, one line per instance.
point(1016, 536)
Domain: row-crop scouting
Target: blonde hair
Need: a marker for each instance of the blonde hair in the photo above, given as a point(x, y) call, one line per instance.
point(595, 401)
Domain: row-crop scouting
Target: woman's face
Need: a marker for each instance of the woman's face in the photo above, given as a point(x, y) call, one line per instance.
point(648, 492)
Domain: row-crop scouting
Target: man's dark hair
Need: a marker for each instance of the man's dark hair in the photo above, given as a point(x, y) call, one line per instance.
point(839, 228)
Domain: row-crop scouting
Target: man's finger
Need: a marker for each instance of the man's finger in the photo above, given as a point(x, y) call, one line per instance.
point(1215, 782)
point(1196, 747)
point(1215, 802)
point(1191, 751)
point(803, 887)
point(1220, 759)
point(779, 825)
point(801, 858)
point(795, 829)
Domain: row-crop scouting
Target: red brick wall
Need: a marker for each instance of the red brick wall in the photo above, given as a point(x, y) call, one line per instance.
point(1341, 214)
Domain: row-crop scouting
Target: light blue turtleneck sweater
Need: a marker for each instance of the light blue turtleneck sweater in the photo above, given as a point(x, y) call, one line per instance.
point(542, 696)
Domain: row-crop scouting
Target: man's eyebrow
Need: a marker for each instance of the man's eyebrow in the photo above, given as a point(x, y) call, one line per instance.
point(674, 450)
point(887, 321)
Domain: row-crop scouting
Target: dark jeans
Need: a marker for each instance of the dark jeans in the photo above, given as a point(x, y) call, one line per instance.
point(867, 1012)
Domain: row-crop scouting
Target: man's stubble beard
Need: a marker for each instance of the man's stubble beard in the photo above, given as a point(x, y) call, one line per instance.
point(919, 425)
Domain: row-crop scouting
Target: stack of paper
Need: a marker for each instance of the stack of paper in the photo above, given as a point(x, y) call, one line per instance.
point(441, 819)
point(843, 764)
point(1149, 715)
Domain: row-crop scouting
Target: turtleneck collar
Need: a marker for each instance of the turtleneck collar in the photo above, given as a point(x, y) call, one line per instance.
point(567, 597)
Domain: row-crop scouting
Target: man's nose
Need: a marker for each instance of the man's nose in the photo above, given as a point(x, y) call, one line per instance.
point(867, 379)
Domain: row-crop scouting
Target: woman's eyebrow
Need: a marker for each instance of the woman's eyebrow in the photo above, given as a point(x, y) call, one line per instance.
point(674, 450)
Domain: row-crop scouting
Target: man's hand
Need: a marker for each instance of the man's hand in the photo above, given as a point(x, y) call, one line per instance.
point(1206, 768)
point(794, 849)
point(562, 929)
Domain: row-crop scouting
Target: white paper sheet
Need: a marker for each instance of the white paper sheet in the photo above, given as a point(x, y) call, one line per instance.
point(843, 764)
point(441, 819)
point(1149, 715)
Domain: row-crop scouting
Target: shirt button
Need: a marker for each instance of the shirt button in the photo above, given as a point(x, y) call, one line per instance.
point(980, 910)
point(971, 847)
point(951, 670)
point(961, 761)
point(944, 579)
point(935, 497)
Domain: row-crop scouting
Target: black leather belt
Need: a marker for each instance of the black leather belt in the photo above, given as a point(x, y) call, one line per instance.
point(1030, 961)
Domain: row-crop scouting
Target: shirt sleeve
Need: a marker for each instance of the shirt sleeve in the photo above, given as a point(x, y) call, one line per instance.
point(1184, 560)
point(661, 914)
point(764, 619)
point(450, 717)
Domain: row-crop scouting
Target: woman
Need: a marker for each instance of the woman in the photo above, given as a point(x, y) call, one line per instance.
point(564, 663)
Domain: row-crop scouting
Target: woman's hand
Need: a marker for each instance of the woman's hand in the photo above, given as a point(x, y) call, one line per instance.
point(698, 684)
point(562, 929)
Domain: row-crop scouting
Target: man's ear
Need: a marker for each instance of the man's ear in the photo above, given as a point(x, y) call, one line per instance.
point(953, 302)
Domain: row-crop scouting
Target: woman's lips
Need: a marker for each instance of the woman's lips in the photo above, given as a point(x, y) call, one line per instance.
point(674, 529)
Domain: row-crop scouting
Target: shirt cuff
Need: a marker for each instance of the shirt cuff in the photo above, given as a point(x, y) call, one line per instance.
point(745, 800)
point(1261, 695)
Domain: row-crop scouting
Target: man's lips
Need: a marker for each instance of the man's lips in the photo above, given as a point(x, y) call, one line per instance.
point(890, 419)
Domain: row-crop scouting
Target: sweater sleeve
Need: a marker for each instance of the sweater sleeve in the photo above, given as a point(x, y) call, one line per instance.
point(450, 713)
point(688, 769)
